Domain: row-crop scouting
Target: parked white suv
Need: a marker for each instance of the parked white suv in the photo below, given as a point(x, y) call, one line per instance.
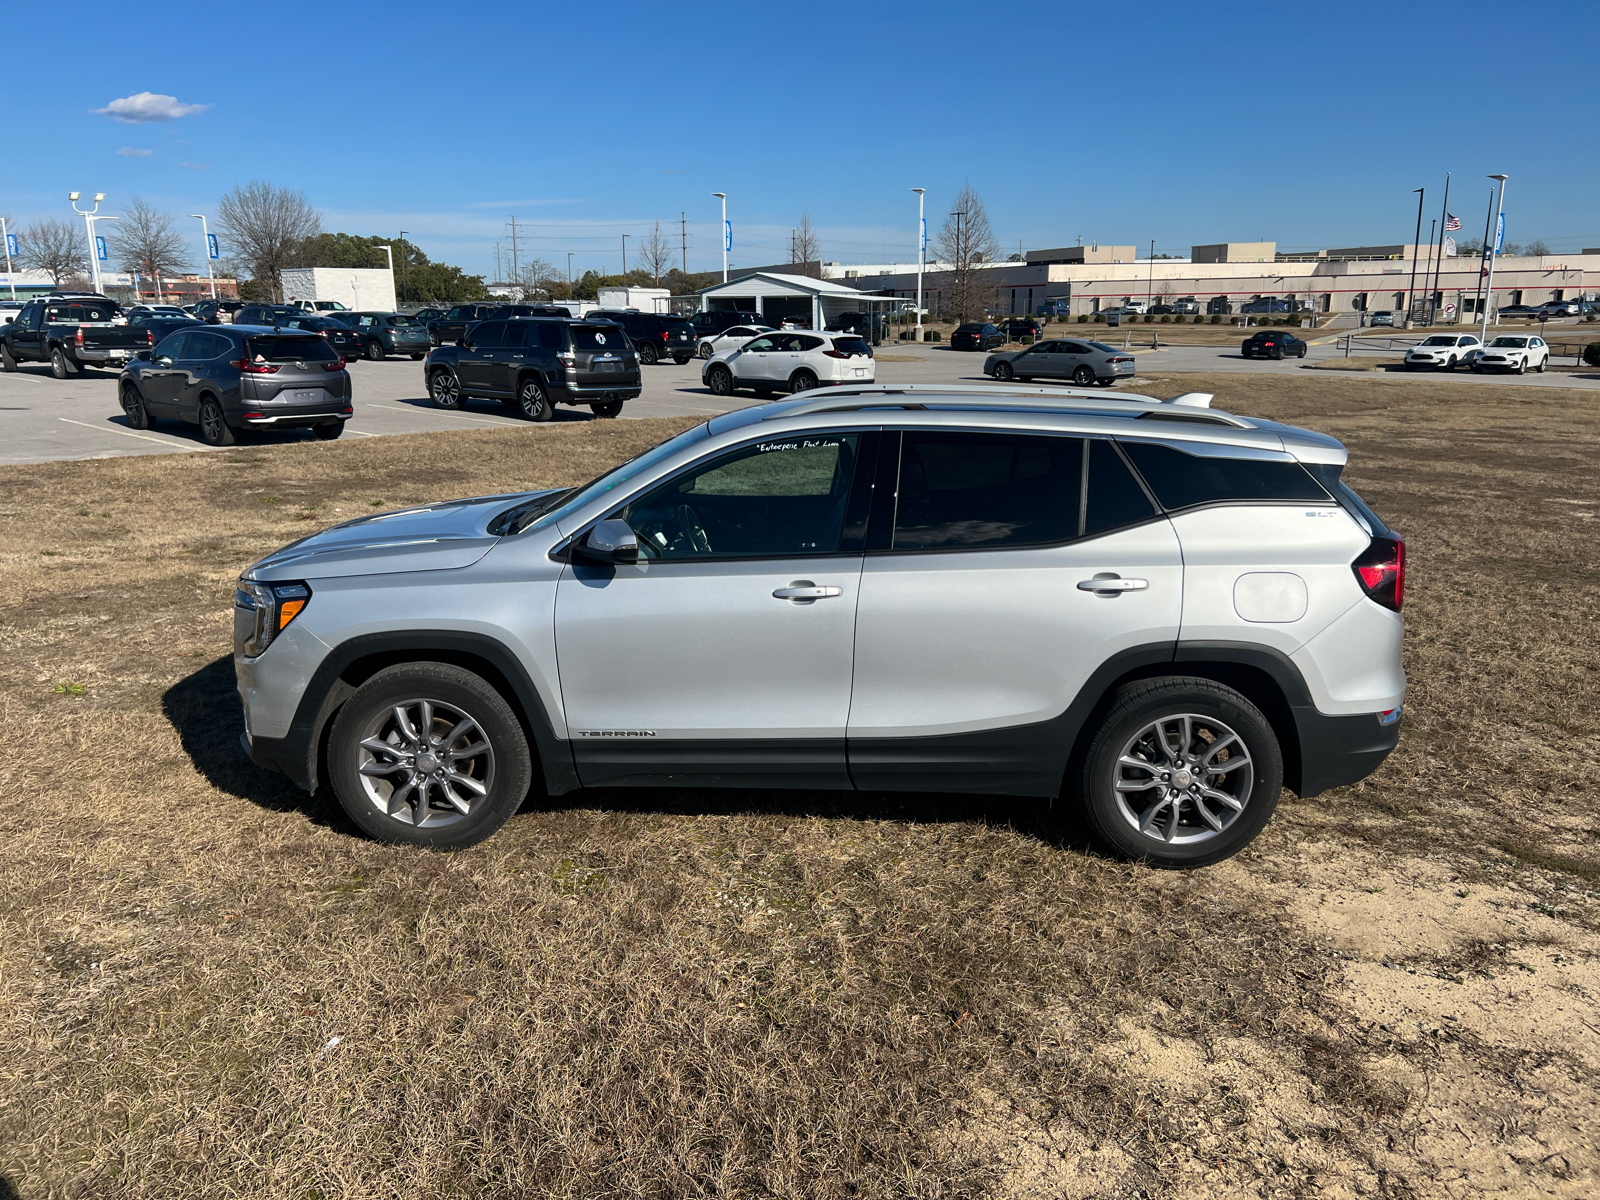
point(729, 339)
point(790, 361)
point(1158, 612)
point(1444, 351)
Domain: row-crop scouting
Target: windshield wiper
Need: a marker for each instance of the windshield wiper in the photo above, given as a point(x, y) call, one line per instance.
point(519, 516)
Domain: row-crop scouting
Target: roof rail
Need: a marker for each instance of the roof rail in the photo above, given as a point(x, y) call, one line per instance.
point(855, 397)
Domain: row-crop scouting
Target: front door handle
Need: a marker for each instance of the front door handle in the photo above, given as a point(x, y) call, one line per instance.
point(1108, 583)
point(803, 591)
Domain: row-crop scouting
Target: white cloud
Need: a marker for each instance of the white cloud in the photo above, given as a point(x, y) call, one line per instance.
point(143, 107)
point(196, 166)
point(132, 152)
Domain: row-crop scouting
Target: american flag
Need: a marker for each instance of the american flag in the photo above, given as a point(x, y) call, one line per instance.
point(1451, 223)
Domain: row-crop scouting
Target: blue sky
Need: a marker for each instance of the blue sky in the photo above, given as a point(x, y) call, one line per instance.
point(1182, 123)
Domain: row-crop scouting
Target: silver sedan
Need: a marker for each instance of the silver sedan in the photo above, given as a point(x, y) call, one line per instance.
point(734, 336)
point(1065, 358)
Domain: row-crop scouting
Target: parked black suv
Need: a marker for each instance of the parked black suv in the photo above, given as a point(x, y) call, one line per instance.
point(228, 378)
point(708, 324)
point(453, 324)
point(533, 364)
point(1273, 343)
point(976, 336)
point(657, 337)
point(265, 314)
point(1017, 328)
point(217, 312)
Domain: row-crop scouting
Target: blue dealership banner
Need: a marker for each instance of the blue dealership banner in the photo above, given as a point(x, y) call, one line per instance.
point(100, 247)
point(727, 235)
point(11, 246)
point(211, 245)
point(1500, 234)
point(924, 235)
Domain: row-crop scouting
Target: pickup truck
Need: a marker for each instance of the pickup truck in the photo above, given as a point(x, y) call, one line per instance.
point(71, 333)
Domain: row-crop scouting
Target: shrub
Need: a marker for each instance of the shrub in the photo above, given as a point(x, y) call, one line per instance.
point(1083, 318)
point(1166, 320)
point(1216, 318)
point(1591, 354)
point(1099, 317)
point(1148, 318)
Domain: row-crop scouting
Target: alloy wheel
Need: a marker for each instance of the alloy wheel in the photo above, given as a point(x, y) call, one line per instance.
point(425, 762)
point(1183, 779)
point(444, 390)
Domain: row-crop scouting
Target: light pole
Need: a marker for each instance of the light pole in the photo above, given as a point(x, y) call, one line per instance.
point(1489, 250)
point(205, 235)
point(403, 233)
point(88, 223)
point(727, 234)
point(5, 237)
point(922, 255)
point(1416, 245)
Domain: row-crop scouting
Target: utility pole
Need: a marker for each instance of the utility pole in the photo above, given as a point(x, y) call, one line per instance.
point(727, 233)
point(1483, 266)
point(624, 258)
point(1444, 219)
point(683, 222)
point(922, 256)
point(516, 266)
point(569, 274)
point(1411, 291)
point(1489, 251)
point(1151, 294)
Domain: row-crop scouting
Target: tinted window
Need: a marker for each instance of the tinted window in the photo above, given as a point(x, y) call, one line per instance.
point(456, 314)
point(967, 490)
point(550, 337)
point(515, 335)
point(1115, 497)
point(171, 347)
point(203, 347)
point(804, 343)
point(782, 497)
point(1181, 480)
point(970, 329)
point(403, 321)
point(288, 348)
point(486, 335)
point(1074, 348)
point(599, 337)
point(759, 345)
point(676, 325)
point(852, 346)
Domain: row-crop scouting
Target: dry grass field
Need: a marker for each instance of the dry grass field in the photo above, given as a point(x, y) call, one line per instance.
point(209, 986)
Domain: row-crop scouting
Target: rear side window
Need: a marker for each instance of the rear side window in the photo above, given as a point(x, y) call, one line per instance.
point(550, 337)
point(1115, 497)
point(279, 349)
point(966, 491)
point(599, 337)
point(1182, 480)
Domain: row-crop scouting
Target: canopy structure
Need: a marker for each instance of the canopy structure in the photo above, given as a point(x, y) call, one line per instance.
point(816, 303)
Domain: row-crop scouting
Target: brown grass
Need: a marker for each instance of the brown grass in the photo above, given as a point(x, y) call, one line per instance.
point(690, 994)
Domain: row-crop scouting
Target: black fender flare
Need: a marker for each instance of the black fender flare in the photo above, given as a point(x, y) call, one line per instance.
point(298, 754)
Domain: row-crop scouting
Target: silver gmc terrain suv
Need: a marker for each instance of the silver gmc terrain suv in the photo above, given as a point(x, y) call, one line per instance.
point(1160, 610)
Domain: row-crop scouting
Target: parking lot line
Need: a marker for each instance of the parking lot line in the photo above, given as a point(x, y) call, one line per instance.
point(437, 413)
point(126, 433)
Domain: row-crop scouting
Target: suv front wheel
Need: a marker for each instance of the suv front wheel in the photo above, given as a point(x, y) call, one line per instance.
point(429, 754)
point(1182, 772)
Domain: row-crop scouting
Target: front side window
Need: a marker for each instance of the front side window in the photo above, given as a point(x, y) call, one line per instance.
point(486, 335)
point(1510, 343)
point(760, 345)
point(1183, 480)
point(783, 498)
point(171, 347)
point(966, 491)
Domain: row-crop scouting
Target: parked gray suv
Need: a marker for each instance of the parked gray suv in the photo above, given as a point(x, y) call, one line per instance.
point(1160, 611)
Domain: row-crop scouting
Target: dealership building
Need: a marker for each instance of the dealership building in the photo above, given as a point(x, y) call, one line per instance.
point(1089, 279)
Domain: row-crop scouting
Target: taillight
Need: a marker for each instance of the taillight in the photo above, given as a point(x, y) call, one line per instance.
point(1381, 571)
point(836, 354)
point(663, 335)
point(79, 337)
point(333, 366)
point(254, 368)
point(149, 337)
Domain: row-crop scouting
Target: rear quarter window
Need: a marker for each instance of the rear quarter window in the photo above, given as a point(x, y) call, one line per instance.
point(1183, 480)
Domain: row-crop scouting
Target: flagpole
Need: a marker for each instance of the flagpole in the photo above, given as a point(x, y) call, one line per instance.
point(1416, 245)
point(1427, 303)
point(1483, 258)
point(1444, 220)
point(1500, 207)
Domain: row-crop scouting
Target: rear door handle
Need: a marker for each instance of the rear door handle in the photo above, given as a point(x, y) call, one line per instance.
point(803, 590)
point(1110, 584)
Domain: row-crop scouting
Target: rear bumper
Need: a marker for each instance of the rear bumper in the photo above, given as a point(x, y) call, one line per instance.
point(1338, 751)
point(90, 354)
point(586, 393)
point(317, 415)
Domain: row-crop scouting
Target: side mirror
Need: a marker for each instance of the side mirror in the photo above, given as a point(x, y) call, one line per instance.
point(164, 361)
point(611, 542)
point(142, 355)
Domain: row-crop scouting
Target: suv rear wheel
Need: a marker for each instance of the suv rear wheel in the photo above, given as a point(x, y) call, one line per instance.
point(1182, 772)
point(802, 381)
point(428, 754)
point(214, 427)
point(611, 408)
point(533, 403)
point(647, 354)
point(375, 350)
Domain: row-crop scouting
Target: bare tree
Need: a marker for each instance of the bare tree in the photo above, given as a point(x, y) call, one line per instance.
point(656, 253)
point(806, 246)
point(1536, 247)
point(265, 223)
point(58, 248)
point(147, 243)
point(965, 241)
point(538, 277)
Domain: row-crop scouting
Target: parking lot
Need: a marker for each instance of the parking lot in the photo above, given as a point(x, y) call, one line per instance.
point(45, 418)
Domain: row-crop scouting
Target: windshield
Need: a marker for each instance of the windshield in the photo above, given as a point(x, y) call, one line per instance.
point(852, 346)
point(541, 516)
point(1440, 341)
point(1509, 341)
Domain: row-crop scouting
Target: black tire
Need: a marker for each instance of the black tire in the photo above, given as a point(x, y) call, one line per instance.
point(1244, 351)
point(1135, 708)
point(1522, 366)
point(802, 381)
point(648, 354)
point(1300, 353)
point(1003, 372)
point(7, 362)
point(533, 402)
point(505, 772)
point(1083, 376)
point(610, 410)
point(704, 351)
point(328, 431)
point(375, 351)
point(680, 359)
point(214, 427)
point(1543, 363)
point(60, 365)
point(418, 357)
point(1452, 364)
point(444, 389)
point(761, 392)
point(720, 380)
point(133, 406)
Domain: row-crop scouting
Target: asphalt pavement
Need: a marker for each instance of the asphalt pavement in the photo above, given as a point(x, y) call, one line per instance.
point(43, 419)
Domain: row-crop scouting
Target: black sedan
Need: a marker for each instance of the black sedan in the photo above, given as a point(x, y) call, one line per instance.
point(975, 335)
point(345, 340)
point(1273, 343)
point(1517, 312)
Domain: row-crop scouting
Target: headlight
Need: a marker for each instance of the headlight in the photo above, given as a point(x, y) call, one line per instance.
point(274, 606)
